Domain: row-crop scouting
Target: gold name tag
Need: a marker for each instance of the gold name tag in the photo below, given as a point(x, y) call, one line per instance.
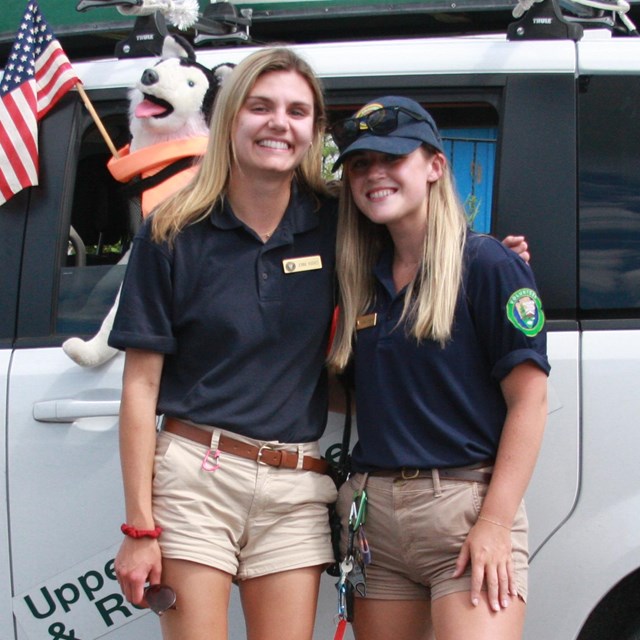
point(308, 263)
point(364, 322)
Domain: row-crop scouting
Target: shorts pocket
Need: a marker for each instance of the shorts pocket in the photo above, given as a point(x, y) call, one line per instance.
point(478, 492)
point(164, 445)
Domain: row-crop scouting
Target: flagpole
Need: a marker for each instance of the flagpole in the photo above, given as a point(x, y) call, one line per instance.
point(96, 119)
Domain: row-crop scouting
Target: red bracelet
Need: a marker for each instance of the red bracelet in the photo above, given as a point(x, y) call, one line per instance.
point(133, 532)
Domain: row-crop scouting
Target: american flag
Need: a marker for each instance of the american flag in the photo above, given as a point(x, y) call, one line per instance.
point(36, 76)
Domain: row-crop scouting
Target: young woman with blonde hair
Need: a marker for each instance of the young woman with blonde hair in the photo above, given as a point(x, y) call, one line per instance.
point(446, 332)
point(224, 315)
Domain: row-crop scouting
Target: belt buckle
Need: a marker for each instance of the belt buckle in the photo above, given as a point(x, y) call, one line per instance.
point(410, 474)
point(259, 459)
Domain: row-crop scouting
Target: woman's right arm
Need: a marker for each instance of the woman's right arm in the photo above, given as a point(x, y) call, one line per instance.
point(138, 560)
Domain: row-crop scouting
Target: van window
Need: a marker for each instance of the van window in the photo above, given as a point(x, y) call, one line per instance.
point(103, 222)
point(609, 193)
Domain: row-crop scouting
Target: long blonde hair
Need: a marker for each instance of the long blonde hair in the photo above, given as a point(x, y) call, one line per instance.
point(431, 297)
point(195, 201)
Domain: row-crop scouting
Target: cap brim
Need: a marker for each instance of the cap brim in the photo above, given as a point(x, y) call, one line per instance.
point(393, 145)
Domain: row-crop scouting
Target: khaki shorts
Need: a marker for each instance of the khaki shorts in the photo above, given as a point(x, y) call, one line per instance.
point(415, 534)
point(245, 518)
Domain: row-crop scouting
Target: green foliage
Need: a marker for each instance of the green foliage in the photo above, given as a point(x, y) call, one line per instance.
point(329, 156)
point(472, 207)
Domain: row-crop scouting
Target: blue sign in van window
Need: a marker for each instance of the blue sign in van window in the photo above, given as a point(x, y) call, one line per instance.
point(472, 154)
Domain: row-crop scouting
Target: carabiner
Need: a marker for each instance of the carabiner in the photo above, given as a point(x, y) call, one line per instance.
point(358, 513)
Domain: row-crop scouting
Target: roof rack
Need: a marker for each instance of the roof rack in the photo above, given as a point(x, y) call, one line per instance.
point(223, 22)
point(562, 19)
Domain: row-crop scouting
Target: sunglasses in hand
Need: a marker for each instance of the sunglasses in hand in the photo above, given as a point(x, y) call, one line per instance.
point(160, 598)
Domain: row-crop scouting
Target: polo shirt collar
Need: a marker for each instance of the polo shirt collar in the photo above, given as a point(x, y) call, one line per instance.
point(301, 214)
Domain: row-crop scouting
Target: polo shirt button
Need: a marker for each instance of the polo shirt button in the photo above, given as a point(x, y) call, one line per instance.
point(265, 275)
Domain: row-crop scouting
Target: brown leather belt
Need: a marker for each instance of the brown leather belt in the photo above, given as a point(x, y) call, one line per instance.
point(262, 455)
point(466, 474)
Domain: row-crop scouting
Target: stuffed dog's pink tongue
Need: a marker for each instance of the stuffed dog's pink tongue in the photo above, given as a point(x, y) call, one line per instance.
point(148, 109)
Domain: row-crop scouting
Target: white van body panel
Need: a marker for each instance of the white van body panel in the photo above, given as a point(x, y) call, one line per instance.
point(618, 56)
point(596, 547)
point(6, 619)
point(376, 58)
point(553, 490)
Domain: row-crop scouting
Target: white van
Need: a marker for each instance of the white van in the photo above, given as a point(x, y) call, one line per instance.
point(553, 129)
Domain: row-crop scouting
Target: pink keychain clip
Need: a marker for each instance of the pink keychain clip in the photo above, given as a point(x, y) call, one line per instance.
point(207, 464)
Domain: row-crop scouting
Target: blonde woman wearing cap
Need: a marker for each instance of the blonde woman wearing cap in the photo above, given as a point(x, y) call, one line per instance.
point(446, 332)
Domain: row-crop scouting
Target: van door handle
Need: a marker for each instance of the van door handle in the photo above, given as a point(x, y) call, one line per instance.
point(98, 403)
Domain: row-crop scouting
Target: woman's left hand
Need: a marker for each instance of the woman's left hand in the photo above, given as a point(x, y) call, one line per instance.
point(519, 245)
point(488, 548)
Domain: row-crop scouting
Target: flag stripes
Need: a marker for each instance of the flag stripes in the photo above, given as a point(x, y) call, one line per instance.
point(36, 76)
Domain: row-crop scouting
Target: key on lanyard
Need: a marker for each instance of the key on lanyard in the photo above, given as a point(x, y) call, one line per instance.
point(345, 590)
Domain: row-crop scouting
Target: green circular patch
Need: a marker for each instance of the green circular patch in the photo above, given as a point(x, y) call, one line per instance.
point(524, 311)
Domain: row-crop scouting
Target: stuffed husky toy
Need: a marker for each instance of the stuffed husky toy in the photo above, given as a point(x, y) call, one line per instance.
point(169, 123)
point(168, 120)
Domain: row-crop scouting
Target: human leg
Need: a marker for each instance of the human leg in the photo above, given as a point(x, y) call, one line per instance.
point(202, 601)
point(281, 606)
point(454, 617)
point(384, 619)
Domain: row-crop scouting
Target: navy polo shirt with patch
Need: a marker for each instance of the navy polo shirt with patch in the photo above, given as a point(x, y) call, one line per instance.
point(243, 325)
point(423, 406)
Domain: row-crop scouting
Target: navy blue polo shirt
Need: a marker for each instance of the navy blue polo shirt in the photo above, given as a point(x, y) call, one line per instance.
point(424, 406)
point(243, 325)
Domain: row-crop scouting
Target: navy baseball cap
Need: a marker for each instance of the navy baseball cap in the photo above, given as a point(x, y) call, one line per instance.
point(392, 124)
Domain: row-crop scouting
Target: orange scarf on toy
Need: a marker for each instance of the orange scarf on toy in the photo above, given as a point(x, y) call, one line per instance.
point(149, 161)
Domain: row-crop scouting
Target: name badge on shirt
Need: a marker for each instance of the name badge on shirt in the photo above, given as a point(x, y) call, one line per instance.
point(364, 322)
point(307, 263)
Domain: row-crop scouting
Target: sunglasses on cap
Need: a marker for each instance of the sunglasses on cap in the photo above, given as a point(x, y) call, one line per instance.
point(160, 598)
point(380, 122)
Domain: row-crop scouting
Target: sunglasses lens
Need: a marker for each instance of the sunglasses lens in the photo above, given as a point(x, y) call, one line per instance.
point(382, 121)
point(160, 598)
point(345, 132)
